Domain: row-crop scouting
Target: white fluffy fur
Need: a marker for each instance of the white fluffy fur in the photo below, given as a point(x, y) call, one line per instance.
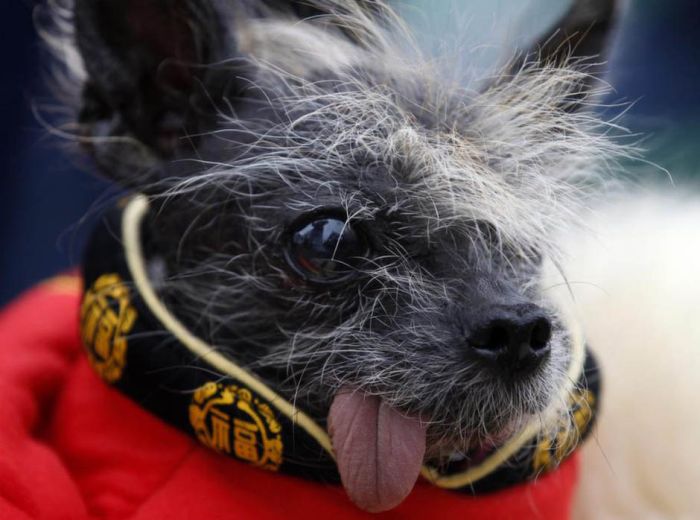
point(637, 289)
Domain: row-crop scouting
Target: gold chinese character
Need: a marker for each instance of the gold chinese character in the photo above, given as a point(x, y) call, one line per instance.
point(551, 451)
point(245, 443)
point(107, 316)
point(220, 431)
point(217, 409)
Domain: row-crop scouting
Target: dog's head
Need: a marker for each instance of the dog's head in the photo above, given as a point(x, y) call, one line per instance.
point(361, 235)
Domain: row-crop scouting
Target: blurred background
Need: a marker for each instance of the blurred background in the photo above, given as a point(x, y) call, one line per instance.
point(44, 197)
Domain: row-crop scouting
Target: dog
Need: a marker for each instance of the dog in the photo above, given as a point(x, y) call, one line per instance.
point(367, 238)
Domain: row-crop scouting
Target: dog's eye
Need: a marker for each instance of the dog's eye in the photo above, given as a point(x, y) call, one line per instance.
point(326, 249)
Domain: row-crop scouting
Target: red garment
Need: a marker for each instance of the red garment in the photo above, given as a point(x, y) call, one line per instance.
point(73, 448)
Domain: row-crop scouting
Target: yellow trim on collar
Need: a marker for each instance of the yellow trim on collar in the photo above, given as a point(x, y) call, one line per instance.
point(131, 220)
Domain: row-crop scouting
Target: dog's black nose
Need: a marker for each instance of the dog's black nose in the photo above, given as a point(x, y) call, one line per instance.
point(515, 337)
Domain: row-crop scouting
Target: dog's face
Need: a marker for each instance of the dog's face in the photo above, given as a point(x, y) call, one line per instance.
point(339, 221)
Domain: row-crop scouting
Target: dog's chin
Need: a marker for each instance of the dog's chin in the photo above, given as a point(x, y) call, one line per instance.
point(470, 441)
point(380, 450)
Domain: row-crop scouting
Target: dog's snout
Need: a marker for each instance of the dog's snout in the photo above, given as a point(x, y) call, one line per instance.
point(516, 337)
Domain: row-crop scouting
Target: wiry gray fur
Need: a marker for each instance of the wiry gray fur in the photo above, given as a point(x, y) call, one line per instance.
point(463, 192)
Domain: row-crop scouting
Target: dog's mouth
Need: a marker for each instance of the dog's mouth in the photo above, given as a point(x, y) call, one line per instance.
point(379, 450)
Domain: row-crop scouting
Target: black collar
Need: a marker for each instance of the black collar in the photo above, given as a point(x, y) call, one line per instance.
point(138, 346)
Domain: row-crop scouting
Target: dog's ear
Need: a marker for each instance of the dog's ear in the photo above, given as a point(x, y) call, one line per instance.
point(158, 73)
point(579, 40)
point(146, 63)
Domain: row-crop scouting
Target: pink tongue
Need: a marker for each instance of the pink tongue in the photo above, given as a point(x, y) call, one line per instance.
point(379, 451)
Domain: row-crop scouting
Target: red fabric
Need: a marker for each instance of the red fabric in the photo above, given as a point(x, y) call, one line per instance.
point(73, 448)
